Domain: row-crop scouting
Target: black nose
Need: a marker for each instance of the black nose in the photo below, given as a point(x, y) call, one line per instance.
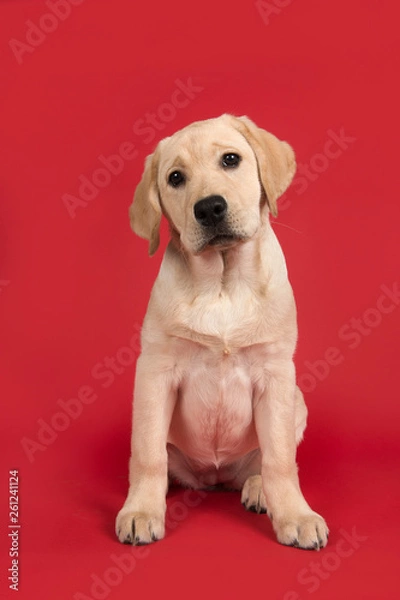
point(210, 211)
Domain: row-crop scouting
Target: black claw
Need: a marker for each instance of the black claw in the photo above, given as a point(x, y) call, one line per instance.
point(133, 529)
point(295, 543)
point(154, 537)
point(260, 510)
point(139, 542)
point(127, 540)
point(312, 548)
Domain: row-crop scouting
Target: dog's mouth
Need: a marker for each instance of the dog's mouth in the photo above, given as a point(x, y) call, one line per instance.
point(223, 239)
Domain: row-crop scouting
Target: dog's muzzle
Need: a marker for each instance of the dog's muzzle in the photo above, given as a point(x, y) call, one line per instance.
point(211, 213)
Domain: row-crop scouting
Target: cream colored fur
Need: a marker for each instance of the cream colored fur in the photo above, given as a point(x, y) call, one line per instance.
point(215, 399)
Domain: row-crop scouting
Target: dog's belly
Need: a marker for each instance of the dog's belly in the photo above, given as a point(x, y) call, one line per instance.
point(213, 420)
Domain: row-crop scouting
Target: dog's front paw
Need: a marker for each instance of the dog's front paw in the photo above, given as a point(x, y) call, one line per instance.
point(139, 528)
point(308, 531)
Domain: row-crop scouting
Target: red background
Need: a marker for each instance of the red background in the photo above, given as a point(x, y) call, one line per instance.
point(73, 291)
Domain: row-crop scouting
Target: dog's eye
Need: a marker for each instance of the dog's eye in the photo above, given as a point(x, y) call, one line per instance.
point(176, 178)
point(230, 160)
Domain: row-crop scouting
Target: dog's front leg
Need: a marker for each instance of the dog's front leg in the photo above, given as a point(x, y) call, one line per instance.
point(141, 519)
point(294, 522)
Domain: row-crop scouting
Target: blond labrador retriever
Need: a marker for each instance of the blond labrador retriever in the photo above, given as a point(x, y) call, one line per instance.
point(215, 399)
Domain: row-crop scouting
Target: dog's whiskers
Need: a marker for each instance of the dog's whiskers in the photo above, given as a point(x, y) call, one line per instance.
point(287, 227)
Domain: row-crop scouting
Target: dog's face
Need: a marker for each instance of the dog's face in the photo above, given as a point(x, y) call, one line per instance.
point(211, 180)
point(209, 186)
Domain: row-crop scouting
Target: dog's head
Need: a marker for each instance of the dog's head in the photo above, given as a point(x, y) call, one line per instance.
point(212, 179)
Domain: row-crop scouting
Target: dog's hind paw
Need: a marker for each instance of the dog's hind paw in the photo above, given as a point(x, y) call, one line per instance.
point(253, 498)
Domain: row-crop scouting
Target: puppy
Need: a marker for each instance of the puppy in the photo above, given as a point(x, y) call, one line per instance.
point(215, 398)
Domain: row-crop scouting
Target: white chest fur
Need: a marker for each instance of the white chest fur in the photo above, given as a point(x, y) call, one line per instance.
point(217, 299)
point(225, 321)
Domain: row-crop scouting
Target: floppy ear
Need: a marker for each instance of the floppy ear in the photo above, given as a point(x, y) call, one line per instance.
point(276, 160)
point(145, 210)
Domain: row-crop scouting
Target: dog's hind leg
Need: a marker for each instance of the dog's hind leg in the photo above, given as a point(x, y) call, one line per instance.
point(248, 480)
point(181, 470)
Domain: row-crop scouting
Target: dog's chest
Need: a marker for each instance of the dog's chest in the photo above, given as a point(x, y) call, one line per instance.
point(221, 366)
point(226, 321)
point(213, 420)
